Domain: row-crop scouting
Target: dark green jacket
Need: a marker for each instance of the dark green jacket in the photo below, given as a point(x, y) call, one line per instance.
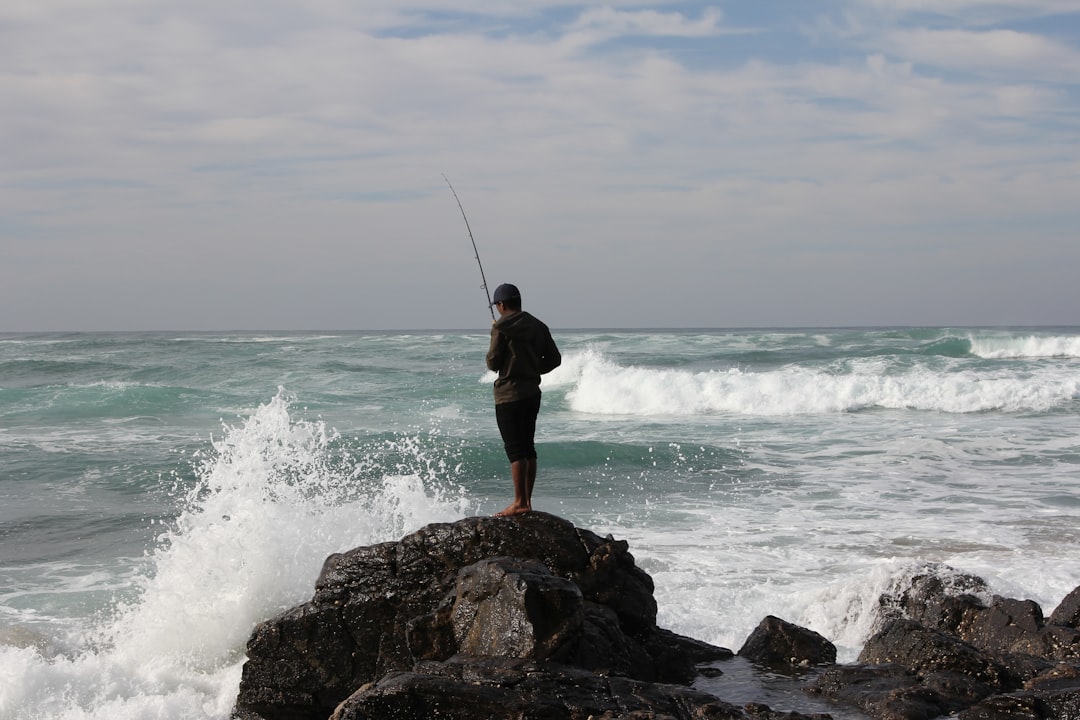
point(521, 351)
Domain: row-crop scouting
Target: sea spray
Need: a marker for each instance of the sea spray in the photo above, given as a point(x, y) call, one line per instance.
point(273, 497)
point(246, 546)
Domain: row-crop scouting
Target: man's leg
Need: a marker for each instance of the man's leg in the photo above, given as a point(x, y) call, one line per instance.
point(517, 424)
point(530, 457)
point(530, 480)
point(519, 472)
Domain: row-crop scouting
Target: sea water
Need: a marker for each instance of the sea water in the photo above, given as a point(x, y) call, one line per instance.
point(162, 493)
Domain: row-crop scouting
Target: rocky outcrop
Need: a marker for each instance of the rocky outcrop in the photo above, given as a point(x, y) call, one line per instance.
point(943, 648)
point(433, 609)
point(532, 618)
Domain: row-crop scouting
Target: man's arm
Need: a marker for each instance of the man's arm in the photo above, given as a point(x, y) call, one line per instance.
point(551, 358)
point(496, 350)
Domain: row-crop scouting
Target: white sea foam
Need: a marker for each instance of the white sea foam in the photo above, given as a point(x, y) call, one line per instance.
point(1030, 346)
point(600, 386)
point(717, 579)
point(252, 339)
point(271, 504)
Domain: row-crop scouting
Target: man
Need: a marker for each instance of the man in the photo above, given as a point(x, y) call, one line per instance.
point(521, 351)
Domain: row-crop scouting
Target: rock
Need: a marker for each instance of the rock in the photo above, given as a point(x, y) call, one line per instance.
point(1006, 625)
point(1052, 642)
point(1067, 612)
point(891, 692)
point(778, 643)
point(531, 586)
point(950, 602)
point(1023, 667)
point(1065, 675)
point(1053, 695)
point(1004, 707)
point(923, 650)
point(939, 597)
point(942, 650)
point(464, 688)
point(515, 608)
point(888, 692)
point(679, 655)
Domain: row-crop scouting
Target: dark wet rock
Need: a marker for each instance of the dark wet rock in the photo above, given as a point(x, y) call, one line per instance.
point(1052, 642)
point(759, 711)
point(1067, 612)
point(1023, 667)
point(528, 587)
point(1004, 707)
point(1061, 676)
point(923, 651)
point(953, 603)
point(468, 688)
point(889, 692)
point(515, 608)
point(679, 655)
point(946, 646)
point(1052, 695)
point(778, 643)
point(1002, 625)
point(938, 598)
point(1008, 625)
point(892, 692)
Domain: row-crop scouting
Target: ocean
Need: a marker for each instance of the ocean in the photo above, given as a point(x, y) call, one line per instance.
point(162, 493)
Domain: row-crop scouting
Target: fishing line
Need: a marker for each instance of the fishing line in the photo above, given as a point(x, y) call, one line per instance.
point(475, 251)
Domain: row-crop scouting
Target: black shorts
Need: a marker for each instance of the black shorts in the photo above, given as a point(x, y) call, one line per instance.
point(517, 425)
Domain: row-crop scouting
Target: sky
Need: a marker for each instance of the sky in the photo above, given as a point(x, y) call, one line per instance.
point(282, 164)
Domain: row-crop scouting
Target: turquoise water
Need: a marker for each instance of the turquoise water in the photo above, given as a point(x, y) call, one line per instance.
point(162, 493)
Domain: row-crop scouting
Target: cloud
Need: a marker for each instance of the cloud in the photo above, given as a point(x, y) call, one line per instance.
point(971, 12)
point(988, 53)
point(609, 21)
point(596, 26)
point(639, 144)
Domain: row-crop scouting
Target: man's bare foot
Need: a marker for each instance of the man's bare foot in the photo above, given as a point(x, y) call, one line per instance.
point(514, 509)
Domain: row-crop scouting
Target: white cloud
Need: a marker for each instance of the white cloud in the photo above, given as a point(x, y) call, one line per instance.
point(599, 25)
point(610, 21)
point(308, 140)
point(988, 52)
point(975, 12)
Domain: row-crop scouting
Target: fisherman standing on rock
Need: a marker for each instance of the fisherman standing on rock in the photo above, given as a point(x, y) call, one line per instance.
point(521, 350)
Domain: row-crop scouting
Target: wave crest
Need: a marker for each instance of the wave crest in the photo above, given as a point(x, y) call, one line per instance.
point(1031, 346)
point(600, 386)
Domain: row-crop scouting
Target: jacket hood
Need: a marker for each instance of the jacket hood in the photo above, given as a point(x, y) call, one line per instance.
point(519, 324)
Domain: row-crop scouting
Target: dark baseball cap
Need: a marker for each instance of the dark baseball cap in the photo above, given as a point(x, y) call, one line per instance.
point(505, 292)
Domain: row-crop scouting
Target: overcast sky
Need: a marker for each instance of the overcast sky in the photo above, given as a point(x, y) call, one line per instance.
point(277, 164)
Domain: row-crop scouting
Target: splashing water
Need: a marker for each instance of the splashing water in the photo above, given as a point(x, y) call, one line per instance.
point(272, 499)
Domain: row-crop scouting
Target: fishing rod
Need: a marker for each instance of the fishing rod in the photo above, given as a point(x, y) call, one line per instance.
point(475, 251)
